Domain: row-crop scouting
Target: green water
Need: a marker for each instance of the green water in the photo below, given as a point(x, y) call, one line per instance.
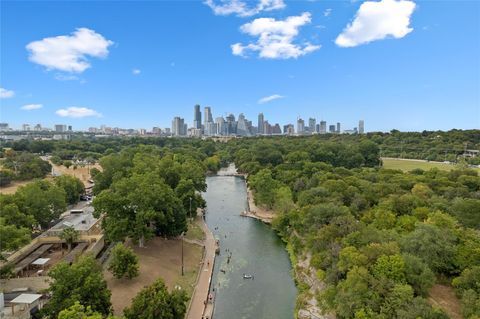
point(255, 250)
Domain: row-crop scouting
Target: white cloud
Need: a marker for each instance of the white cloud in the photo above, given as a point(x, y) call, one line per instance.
point(66, 77)
point(240, 8)
point(270, 98)
point(5, 94)
point(377, 21)
point(327, 12)
point(69, 53)
point(275, 38)
point(77, 112)
point(136, 71)
point(30, 107)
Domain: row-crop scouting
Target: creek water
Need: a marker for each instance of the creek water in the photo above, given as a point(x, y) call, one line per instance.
point(255, 250)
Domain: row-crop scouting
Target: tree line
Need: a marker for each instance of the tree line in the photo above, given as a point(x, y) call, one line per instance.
point(379, 239)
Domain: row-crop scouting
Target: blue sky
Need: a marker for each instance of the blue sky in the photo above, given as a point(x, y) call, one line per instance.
point(409, 65)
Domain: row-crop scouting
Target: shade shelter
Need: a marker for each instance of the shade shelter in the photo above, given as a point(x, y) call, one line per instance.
point(28, 300)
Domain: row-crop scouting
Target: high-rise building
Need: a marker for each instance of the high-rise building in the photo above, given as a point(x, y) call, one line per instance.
point(276, 129)
point(361, 127)
point(231, 125)
point(300, 126)
point(331, 129)
point(38, 127)
point(242, 128)
point(267, 128)
point(260, 123)
point(208, 115)
point(3, 127)
point(311, 124)
point(288, 129)
point(323, 127)
point(178, 126)
point(25, 127)
point(221, 127)
point(60, 128)
point(338, 127)
point(197, 117)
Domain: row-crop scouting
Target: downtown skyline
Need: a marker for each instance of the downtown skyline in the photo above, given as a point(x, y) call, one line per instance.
point(400, 76)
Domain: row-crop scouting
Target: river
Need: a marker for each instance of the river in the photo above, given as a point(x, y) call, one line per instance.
point(255, 250)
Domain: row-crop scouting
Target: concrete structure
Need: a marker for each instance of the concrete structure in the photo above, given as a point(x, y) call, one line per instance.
point(361, 127)
point(338, 128)
point(208, 115)
point(60, 128)
point(323, 127)
point(178, 126)
point(261, 120)
point(197, 117)
point(312, 122)
point(300, 126)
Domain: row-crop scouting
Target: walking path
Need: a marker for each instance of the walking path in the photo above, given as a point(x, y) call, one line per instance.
point(199, 307)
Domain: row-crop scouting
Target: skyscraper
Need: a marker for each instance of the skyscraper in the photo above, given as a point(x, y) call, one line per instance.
point(311, 124)
point(221, 127)
point(331, 129)
point(300, 126)
point(361, 127)
point(178, 126)
point(231, 125)
point(323, 127)
point(197, 117)
point(242, 129)
point(208, 115)
point(338, 127)
point(260, 123)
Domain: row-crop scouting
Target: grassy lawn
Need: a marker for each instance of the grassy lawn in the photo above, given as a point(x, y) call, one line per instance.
point(408, 165)
point(194, 232)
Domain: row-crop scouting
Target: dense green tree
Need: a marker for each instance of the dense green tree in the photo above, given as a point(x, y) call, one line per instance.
point(43, 200)
point(155, 302)
point(72, 186)
point(12, 237)
point(81, 282)
point(123, 262)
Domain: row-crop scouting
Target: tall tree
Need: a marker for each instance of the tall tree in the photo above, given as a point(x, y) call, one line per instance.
point(155, 302)
point(123, 262)
point(81, 282)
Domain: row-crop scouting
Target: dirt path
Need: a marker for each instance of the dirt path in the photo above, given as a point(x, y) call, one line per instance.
point(444, 297)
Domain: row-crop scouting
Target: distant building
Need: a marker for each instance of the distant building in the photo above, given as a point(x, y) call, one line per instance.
point(300, 126)
point(25, 127)
point(361, 127)
point(338, 127)
point(197, 117)
point(156, 130)
point(69, 128)
point(221, 127)
point(311, 124)
point(260, 123)
point(276, 129)
point(38, 128)
point(231, 125)
point(331, 129)
point(4, 127)
point(60, 128)
point(323, 127)
point(242, 128)
point(178, 126)
point(208, 115)
point(289, 129)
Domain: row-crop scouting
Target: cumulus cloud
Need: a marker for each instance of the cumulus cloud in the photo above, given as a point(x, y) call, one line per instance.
point(29, 107)
point(136, 71)
point(275, 38)
point(77, 112)
point(69, 53)
point(270, 98)
point(377, 21)
point(327, 12)
point(241, 9)
point(5, 94)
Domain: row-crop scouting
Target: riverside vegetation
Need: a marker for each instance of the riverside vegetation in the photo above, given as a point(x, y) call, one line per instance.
point(378, 238)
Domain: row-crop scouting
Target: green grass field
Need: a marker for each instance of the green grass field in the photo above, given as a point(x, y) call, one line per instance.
point(408, 165)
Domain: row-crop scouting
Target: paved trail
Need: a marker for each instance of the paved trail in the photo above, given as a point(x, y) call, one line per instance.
point(198, 309)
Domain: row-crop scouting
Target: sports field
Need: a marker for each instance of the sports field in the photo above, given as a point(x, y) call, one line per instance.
point(410, 164)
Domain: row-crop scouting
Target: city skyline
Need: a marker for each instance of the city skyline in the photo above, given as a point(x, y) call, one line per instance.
point(146, 74)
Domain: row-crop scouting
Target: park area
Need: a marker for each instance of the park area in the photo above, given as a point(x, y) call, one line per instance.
point(411, 164)
point(161, 258)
